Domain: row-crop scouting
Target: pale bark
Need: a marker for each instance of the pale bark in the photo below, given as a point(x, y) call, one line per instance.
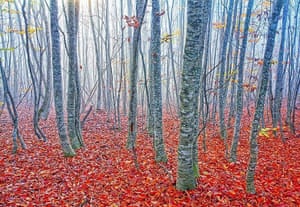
point(155, 69)
point(188, 170)
point(222, 85)
point(239, 93)
point(12, 112)
point(57, 81)
point(260, 101)
point(132, 114)
point(73, 95)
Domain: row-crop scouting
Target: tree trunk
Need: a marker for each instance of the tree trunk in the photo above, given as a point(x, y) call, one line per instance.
point(260, 101)
point(239, 93)
point(132, 114)
point(155, 69)
point(57, 81)
point(73, 95)
point(12, 112)
point(188, 171)
point(222, 85)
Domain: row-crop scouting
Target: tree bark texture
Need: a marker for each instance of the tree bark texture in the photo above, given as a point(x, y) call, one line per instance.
point(260, 101)
point(187, 172)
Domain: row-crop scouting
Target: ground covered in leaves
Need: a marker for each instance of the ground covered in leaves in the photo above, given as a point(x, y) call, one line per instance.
point(104, 174)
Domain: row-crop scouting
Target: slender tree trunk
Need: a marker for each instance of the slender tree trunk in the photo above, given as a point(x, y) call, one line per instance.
point(132, 114)
point(12, 112)
point(155, 69)
point(239, 93)
point(46, 105)
point(259, 107)
point(57, 81)
point(222, 93)
point(34, 79)
point(73, 81)
point(171, 50)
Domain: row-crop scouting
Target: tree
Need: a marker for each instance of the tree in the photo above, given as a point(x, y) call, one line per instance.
point(222, 85)
point(46, 105)
point(197, 17)
point(34, 77)
point(74, 100)
point(11, 107)
point(97, 49)
point(260, 100)
point(132, 113)
point(155, 69)
point(280, 71)
point(239, 93)
point(57, 81)
point(293, 66)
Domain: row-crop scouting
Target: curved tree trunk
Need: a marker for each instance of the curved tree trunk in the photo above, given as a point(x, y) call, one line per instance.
point(12, 112)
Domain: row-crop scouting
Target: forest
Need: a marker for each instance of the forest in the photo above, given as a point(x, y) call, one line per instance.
point(149, 103)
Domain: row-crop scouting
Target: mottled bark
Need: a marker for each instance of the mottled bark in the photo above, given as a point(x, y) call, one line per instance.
point(239, 93)
point(260, 101)
point(57, 81)
point(155, 69)
point(188, 170)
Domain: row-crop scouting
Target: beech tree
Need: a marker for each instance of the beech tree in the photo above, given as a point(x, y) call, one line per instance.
point(276, 108)
point(132, 113)
point(222, 85)
point(57, 81)
point(155, 69)
point(35, 78)
point(74, 99)
point(239, 93)
point(188, 170)
point(260, 100)
point(11, 107)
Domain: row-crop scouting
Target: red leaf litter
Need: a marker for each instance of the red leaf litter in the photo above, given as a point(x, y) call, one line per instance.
point(104, 174)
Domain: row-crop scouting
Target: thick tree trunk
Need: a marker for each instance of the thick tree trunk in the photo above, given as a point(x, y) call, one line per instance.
point(188, 169)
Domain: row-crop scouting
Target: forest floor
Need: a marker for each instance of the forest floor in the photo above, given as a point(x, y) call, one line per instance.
point(104, 174)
